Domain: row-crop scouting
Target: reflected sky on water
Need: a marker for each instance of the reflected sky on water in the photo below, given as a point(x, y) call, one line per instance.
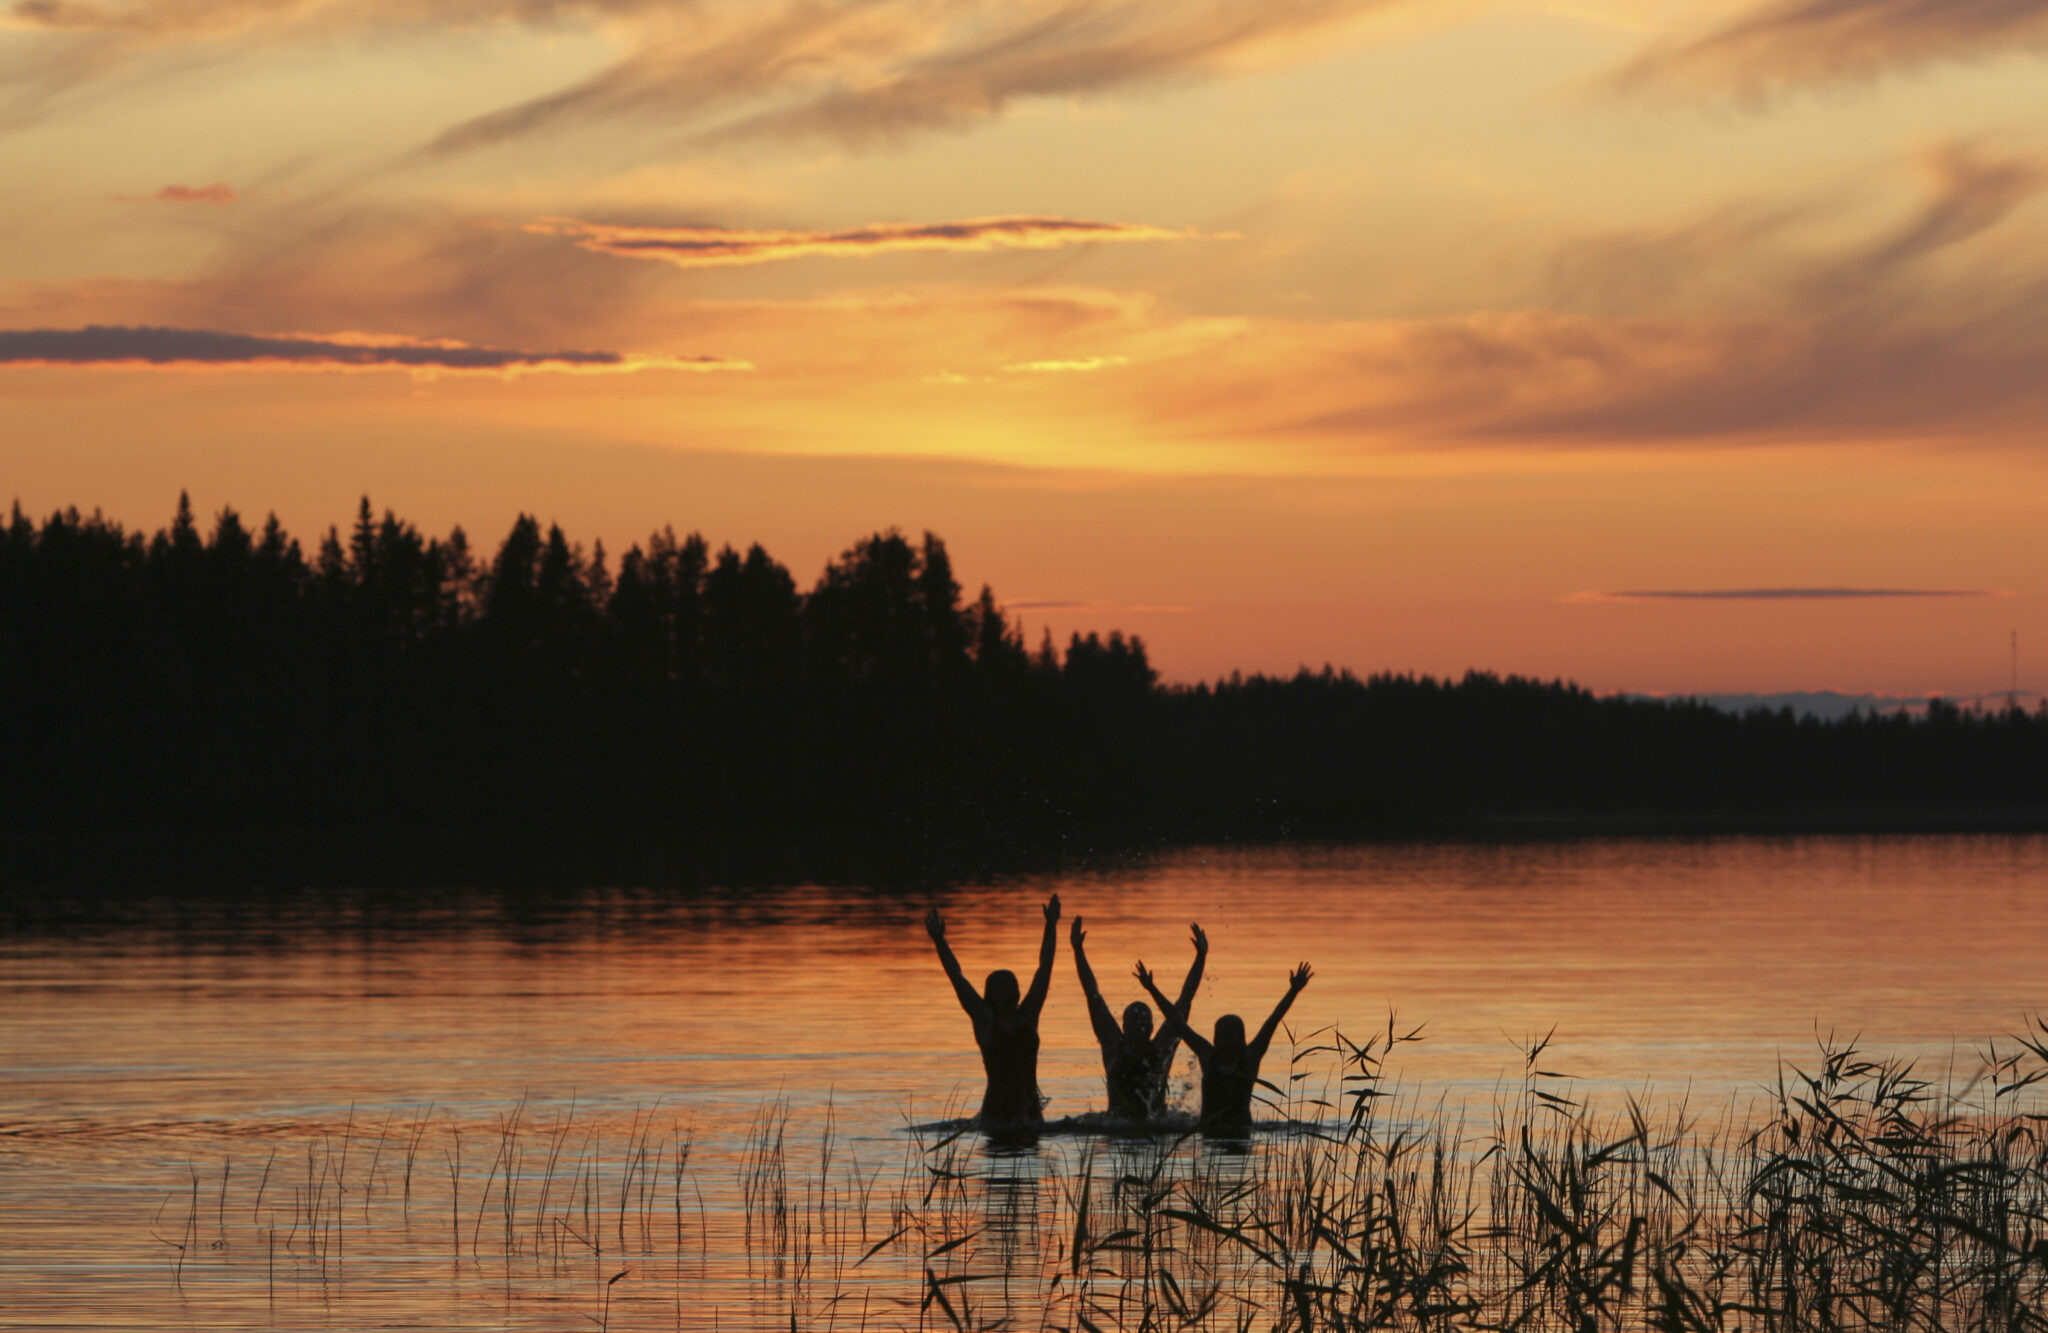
point(137, 1053)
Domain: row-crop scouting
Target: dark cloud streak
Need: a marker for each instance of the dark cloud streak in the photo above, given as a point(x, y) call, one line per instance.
point(1787, 44)
point(698, 247)
point(1775, 594)
point(123, 345)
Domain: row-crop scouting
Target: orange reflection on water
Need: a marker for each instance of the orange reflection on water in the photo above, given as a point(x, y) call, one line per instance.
point(325, 1078)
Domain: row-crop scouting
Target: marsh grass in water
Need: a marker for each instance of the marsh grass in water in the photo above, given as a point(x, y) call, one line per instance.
point(1857, 1195)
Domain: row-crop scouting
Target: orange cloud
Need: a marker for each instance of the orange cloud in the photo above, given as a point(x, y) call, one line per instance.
point(145, 346)
point(702, 247)
point(216, 194)
point(1070, 365)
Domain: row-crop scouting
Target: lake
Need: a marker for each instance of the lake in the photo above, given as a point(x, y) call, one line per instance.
point(238, 1115)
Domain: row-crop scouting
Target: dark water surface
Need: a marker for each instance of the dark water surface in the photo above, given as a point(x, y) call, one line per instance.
point(261, 1117)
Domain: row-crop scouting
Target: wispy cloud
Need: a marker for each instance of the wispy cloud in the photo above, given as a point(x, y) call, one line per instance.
point(1068, 366)
point(1722, 256)
point(1928, 328)
point(1099, 606)
point(145, 346)
point(1785, 44)
point(311, 265)
point(703, 247)
point(1552, 378)
point(217, 194)
point(1070, 48)
point(215, 18)
point(1972, 189)
point(1764, 248)
point(873, 72)
point(1774, 594)
point(64, 50)
point(1869, 340)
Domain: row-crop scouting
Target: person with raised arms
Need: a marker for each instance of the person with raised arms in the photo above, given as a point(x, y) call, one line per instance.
point(1005, 1027)
point(1136, 1060)
point(1230, 1064)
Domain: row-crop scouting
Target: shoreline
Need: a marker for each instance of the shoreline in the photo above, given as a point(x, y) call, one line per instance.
point(61, 872)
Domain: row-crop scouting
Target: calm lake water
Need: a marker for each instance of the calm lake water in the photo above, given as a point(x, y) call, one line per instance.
point(307, 1117)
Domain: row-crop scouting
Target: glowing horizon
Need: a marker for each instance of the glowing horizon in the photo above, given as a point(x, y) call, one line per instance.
point(1351, 331)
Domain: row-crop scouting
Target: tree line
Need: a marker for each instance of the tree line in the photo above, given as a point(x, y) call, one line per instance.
point(228, 682)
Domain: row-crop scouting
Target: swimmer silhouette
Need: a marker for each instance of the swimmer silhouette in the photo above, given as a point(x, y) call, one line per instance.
point(1230, 1067)
point(1005, 1029)
point(1135, 1060)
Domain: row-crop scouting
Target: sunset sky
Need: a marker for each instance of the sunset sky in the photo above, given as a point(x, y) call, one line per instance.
point(1665, 345)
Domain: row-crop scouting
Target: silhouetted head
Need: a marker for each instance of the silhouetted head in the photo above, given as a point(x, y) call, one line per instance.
point(1229, 1035)
point(1000, 990)
point(1137, 1021)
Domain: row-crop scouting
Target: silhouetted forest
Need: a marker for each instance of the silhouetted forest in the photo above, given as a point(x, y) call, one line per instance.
point(397, 691)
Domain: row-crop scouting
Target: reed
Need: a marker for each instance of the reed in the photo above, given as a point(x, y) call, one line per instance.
point(1857, 1195)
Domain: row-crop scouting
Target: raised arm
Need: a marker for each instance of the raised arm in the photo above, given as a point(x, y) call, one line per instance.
point(1107, 1034)
point(1296, 980)
point(1175, 1023)
point(1185, 1004)
point(1034, 999)
point(976, 1007)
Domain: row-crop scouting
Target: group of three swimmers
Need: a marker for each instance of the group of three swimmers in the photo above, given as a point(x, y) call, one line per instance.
point(1135, 1060)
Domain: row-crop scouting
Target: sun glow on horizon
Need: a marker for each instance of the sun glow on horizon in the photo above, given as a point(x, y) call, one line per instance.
point(1378, 334)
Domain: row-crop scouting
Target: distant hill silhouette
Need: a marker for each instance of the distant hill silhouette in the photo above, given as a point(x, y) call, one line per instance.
point(1827, 705)
point(1833, 705)
point(393, 701)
